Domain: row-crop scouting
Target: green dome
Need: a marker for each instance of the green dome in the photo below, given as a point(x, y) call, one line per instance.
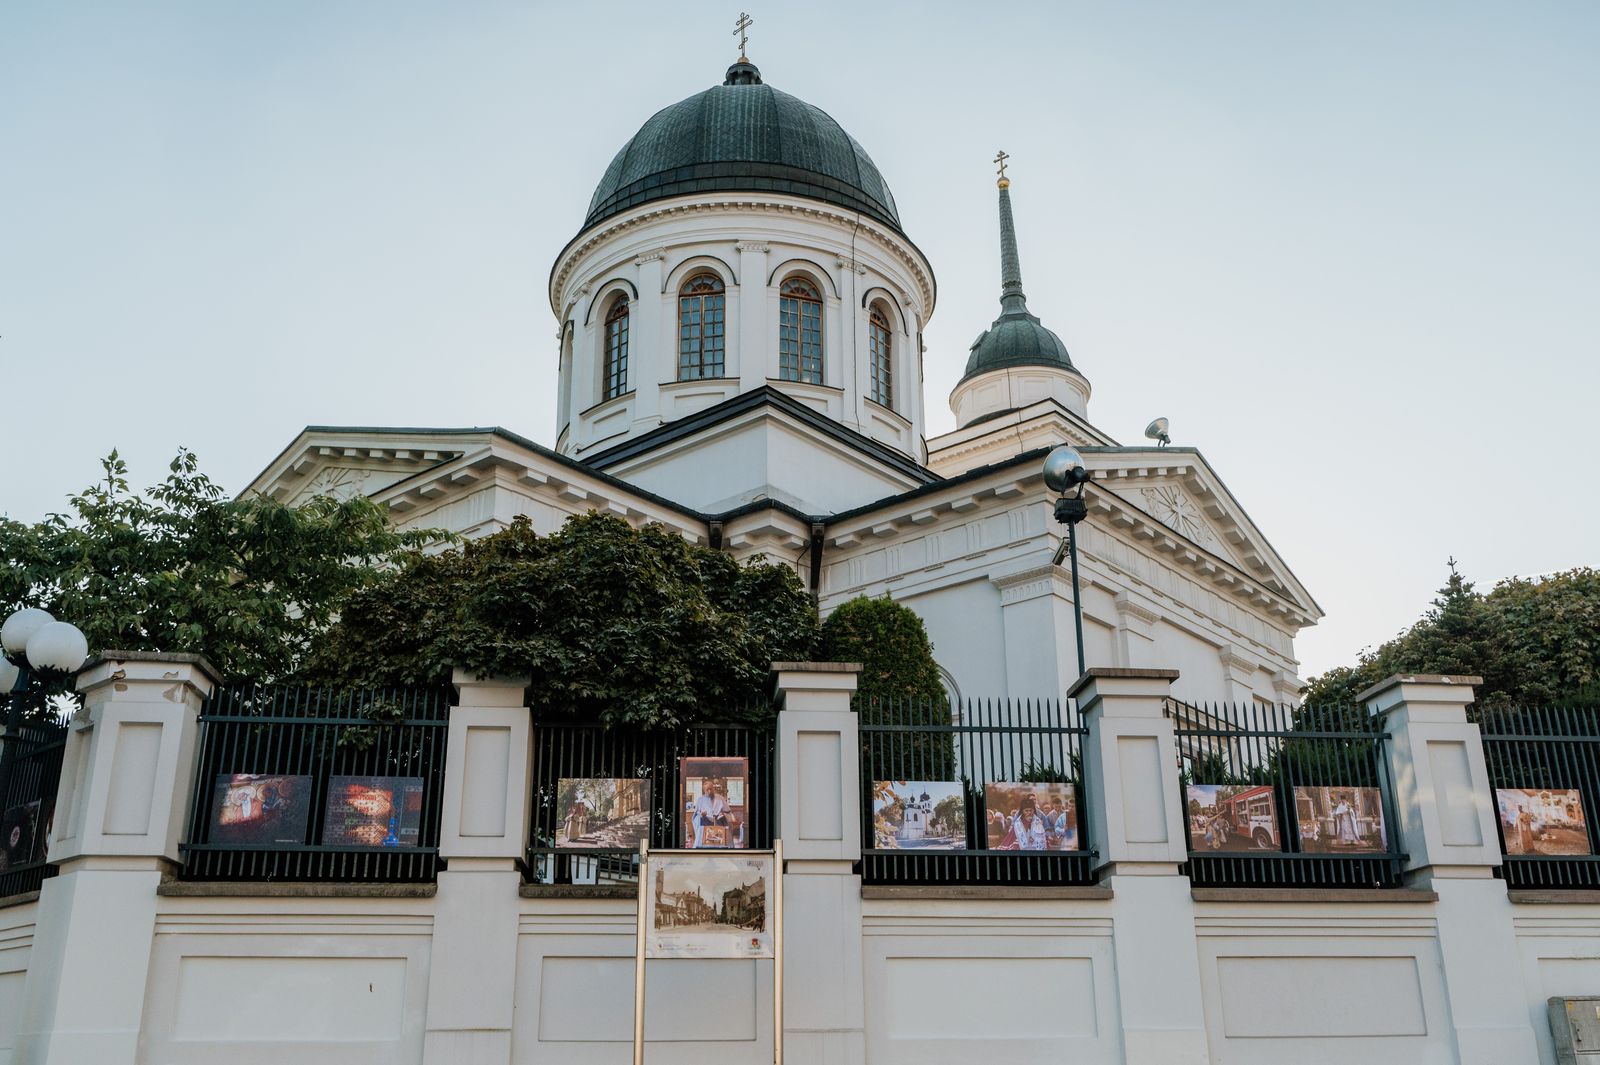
point(743, 136)
point(1016, 338)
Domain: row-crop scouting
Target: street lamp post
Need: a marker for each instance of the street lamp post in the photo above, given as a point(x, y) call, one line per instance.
point(1063, 471)
point(32, 642)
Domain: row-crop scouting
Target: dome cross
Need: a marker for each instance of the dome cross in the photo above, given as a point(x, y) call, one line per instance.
point(741, 26)
point(1000, 161)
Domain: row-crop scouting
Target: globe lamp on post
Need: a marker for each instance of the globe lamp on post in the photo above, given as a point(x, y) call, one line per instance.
point(35, 646)
point(1064, 470)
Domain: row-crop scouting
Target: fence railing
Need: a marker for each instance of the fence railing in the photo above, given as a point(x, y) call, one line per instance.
point(597, 791)
point(1544, 766)
point(318, 784)
point(28, 802)
point(1282, 796)
point(987, 792)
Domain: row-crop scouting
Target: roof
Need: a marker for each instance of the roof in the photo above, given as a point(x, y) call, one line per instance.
point(743, 136)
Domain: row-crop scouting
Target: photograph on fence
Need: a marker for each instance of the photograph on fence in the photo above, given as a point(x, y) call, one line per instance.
point(1341, 820)
point(1232, 817)
point(711, 802)
point(1543, 821)
point(1030, 817)
point(250, 808)
point(22, 841)
point(602, 812)
point(919, 814)
point(373, 812)
point(709, 906)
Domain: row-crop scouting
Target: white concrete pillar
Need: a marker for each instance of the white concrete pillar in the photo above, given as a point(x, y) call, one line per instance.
point(1447, 829)
point(127, 777)
point(758, 336)
point(483, 834)
point(652, 349)
point(819, 821)
point(1136, 828)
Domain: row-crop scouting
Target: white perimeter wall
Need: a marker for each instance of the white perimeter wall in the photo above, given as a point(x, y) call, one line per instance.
point(951, 981)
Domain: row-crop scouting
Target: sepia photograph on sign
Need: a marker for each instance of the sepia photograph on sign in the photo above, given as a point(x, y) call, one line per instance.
point(709, 905)
point(1030, 817)
point(1543, 821)
point(602, 812)
point(1232, 817)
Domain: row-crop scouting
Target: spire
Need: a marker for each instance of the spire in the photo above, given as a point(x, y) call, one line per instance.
point(1016, 338)
point(1011, 297)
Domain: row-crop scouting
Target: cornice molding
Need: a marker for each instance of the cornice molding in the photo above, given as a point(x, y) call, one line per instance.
point(1030, 584)
point(891, 242)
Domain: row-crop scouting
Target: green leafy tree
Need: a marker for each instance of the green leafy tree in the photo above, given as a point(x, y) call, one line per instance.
point(614, 624)
point(890, 642)
point(248, 583)
point(899, 685)
point(1531, 640)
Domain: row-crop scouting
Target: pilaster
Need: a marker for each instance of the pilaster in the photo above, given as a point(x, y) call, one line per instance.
point(757, 336)
point(1036, 618)
point(655, 359)
point(127, 777)
point(1445, 805)
point(819, 821)
point(1136, 829)
point(483, 835)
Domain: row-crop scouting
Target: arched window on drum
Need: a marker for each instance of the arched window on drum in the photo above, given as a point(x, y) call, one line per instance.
point(702, 326)
point(880, 357)
point(614, 369)
point(799, 331)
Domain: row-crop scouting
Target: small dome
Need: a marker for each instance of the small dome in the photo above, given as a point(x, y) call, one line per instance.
point(743, 136)
point(1016, 339)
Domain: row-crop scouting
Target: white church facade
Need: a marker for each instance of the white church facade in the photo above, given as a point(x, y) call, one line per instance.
point(740, 321)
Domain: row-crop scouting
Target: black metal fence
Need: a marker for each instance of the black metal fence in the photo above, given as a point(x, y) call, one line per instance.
point(27, 807)
point(992, 793)
point(1282, 796)
point(584, 831)
point(318, 784)
point(1544, 764)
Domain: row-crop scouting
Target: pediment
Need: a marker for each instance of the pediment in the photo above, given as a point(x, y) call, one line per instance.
point(343, 463)
point(1172, 498)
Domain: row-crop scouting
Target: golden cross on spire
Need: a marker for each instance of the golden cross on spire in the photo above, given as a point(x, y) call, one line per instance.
point(744, 23)
point(1000, 160)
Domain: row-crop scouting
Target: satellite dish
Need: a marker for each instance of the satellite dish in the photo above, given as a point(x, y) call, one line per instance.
point(1157, 430)
point(1064, 469)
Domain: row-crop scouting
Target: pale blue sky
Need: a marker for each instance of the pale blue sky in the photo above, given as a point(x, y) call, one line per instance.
point(1349, 249)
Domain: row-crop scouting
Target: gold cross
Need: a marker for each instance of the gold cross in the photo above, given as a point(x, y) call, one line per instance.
point(1001, 160)
point(744, 23)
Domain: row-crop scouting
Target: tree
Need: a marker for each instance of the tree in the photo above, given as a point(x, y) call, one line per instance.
point(890, 642)
point(614, 624)
point(248, 583)
point(1531, 640)
point(900, 685)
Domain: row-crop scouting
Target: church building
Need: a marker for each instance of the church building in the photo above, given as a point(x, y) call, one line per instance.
point(740, 357)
